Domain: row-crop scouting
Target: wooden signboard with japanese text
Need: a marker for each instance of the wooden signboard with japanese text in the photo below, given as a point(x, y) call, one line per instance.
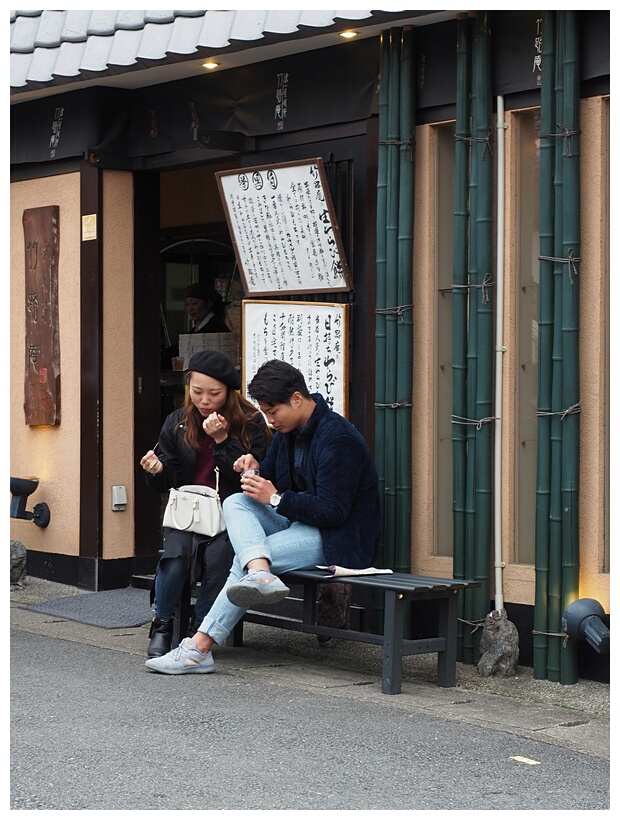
point(312, 336)
point(42, 377)
point(284, 229)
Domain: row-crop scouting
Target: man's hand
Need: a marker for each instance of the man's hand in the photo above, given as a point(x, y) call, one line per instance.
point(261, 489)
point(245, 462)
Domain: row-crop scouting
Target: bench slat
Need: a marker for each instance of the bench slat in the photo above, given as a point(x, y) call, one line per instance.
point(399, 581)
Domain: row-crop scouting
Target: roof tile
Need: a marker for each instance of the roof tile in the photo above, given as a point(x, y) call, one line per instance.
point(101, 23)
point(49, 31)
point(76, 27)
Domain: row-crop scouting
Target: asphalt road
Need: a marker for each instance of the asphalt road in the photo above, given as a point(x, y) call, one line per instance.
point(91, 729)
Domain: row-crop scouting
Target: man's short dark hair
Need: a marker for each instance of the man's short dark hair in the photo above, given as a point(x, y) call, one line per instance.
point(275, 382)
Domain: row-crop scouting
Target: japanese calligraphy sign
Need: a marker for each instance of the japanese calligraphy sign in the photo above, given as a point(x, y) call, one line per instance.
point(312, 336)
point(42, 377)
point(284, 229)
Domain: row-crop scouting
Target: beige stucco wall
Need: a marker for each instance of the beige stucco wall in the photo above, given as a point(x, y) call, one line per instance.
point(593, 582)
point(518, 579)
point(118, 307)
point(51, 453)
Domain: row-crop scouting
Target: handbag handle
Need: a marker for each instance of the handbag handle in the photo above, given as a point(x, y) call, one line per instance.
point(190, 522)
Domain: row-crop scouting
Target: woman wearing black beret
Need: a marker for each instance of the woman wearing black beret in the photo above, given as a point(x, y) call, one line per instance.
point(213, 429)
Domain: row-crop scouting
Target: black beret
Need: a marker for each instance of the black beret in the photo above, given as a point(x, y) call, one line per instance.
point(217, 365)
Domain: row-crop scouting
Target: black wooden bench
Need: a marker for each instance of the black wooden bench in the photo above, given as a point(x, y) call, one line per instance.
point(398, 588)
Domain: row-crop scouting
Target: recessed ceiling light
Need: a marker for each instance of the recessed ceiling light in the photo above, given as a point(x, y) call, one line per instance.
point(348, 34)
point(210, 65)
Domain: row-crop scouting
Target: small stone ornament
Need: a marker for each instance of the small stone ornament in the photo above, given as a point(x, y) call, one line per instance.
point(499, 646)
point(18, 562)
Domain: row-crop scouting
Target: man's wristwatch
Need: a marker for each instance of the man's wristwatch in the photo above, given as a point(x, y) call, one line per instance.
point(275, 499)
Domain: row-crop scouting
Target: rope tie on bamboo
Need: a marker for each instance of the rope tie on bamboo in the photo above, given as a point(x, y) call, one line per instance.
point(476, 624)
point(553, 635)
point(394, 311)
point(477, 422)
point(486, 140)
point(409, 142)
point(484, 285)
point(570, 261)
point(394, 405)
point(574, 408)
point(567, 134)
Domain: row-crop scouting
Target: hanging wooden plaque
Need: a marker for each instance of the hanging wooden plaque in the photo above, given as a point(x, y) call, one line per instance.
point(42, 377)
point(284, 229)
point(312, 336)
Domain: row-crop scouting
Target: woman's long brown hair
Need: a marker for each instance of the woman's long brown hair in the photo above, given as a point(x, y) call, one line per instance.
point(238, 412)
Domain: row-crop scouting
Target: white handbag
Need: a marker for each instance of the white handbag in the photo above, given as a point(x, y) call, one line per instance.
point(195, 508)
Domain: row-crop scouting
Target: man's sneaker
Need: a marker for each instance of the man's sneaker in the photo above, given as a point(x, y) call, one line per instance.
point(259, 587)
point(184, 660)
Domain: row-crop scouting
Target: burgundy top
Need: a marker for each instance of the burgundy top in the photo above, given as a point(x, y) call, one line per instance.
point(205, 466)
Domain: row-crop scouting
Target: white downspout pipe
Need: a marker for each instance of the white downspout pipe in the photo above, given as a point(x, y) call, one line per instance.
point(499, 351)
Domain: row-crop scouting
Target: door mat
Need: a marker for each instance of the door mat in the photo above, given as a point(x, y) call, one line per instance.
point(109, 609)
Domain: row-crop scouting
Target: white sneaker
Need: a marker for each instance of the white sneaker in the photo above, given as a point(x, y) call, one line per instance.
point(258, 587)
point(184, 660)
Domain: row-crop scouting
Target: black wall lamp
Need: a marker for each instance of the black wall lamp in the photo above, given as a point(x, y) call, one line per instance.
point(21, 488)
point(582, 621)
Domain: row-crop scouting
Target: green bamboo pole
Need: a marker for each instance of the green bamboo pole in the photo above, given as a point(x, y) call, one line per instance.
point(380, 336)
point(571, 243)
point(459, 308)
point(545, 347)
point(404, 323)
point(391, 295)
point(554, 609)
point(483, 302)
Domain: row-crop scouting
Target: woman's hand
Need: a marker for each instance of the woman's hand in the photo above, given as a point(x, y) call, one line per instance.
point(151, 464)
point(216, 426)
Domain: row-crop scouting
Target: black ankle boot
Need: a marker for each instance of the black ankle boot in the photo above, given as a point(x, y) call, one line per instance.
point(161, 637)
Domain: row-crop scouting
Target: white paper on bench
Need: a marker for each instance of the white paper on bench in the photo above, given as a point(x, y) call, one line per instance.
point(336, 571)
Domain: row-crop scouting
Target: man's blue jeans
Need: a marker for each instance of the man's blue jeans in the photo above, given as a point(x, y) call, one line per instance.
point(257, 531)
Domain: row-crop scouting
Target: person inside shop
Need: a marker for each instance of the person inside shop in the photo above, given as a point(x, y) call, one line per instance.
point(314, 502)
point(214, 428)
point(206, 310)
point(205, 307)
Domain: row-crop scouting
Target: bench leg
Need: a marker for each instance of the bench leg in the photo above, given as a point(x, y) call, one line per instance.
point(448, 624)
point(309, 603)
point(392, 643)
point(236, 636)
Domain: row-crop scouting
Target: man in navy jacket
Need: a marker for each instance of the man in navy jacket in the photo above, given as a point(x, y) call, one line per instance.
point(314, 500)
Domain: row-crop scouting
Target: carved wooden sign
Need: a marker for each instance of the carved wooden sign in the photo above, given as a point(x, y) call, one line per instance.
point(42, 377)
